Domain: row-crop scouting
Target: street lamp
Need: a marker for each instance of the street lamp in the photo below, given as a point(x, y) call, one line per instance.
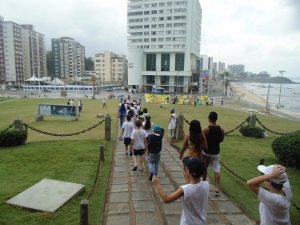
point(281, 72)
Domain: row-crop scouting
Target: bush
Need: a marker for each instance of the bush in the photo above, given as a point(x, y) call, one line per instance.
point(252, 131)
point(12, 137)
point(287, 149)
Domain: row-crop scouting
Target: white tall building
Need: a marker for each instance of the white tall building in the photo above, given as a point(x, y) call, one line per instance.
point(110, 67)
point(163, 43)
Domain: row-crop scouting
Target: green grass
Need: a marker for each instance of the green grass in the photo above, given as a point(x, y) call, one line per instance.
point(53, 157)
point(72, 159)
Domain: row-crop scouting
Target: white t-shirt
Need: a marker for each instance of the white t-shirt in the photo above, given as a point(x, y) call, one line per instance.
point(128, 128)
point(274, 208)
point(172, 123)
point(194, 203)
point(138, 136)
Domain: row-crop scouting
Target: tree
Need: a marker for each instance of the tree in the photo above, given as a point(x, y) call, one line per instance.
point(89, 64)
point(50, 63)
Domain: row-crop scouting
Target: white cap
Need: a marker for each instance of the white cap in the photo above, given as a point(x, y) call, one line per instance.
point(268, 170)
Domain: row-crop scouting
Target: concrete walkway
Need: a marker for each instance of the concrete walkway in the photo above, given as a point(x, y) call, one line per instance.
point(132, 200)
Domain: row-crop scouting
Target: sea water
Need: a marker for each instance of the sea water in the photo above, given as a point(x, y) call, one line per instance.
point(289, 97)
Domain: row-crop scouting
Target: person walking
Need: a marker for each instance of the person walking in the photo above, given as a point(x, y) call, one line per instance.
point(104, 103)
point(148, 125)
point(194, 195)
point(154, 149)
point(80, 105)
point(122, 114)
point(127, 129)
point(214, 135)
point(138, 145)
point(274, 203)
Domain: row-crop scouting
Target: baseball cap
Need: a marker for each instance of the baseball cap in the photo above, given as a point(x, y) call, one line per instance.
point(268, 169)
point(156, 128)
point(194, 165)
point(146, 115)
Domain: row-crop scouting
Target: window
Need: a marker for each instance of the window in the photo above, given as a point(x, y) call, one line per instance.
point(164, 80)
point(154, 12)
point(150, 62)
point(150, 79)
point(179, 61)
point(165, 62)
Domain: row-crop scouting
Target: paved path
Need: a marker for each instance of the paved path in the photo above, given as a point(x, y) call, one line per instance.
point(132, 200)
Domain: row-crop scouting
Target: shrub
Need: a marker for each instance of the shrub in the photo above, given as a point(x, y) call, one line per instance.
point(12, 137)
point(252, 131)
point(287, 149)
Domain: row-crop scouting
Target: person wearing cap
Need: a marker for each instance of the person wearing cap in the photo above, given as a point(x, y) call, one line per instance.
point(214, 135)
point(194, 195)
point(154, 149)
point(275, 202)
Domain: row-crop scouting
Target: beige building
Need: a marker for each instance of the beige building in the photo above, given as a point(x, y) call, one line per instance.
point(110, 67)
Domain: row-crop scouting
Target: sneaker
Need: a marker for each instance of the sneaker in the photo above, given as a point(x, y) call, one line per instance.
point(150, 176)
point(217, 193)
point(134, 168)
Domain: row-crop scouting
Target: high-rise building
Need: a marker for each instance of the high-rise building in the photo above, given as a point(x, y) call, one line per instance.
point(110, 67)
point(221, 67)
point(22, 53)
point(163, 43)
point(235, 69)
point(69, 56)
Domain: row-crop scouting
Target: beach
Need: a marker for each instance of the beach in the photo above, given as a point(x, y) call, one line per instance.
point(240, 93)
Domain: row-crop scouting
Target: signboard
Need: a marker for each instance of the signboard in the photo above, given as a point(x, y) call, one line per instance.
point(57, 110)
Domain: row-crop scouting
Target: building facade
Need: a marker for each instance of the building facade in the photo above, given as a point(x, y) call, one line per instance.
point(236, 69)
point(163, 43)
point(69, 56)
point(22, 53)
point(110, 67)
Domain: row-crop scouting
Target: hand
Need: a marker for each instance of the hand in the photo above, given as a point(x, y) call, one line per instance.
point(155, 181)
point(277, 171)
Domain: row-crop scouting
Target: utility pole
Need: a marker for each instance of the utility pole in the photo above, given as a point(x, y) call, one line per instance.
point(281, 72)
point(267, 104)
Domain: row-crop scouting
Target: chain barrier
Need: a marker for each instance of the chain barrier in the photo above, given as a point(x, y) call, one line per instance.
point(10, 126)
point(62, 135)
point(274, 132)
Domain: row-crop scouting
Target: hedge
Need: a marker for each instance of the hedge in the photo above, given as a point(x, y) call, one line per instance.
point(12, 137)
point(252, 131)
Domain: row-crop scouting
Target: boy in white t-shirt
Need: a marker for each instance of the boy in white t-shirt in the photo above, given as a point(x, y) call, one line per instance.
point(127, 129)
point(194, 196)
point(138, 144)
point(275, 202)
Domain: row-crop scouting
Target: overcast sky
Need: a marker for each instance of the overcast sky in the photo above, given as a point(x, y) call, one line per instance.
point(264, 35)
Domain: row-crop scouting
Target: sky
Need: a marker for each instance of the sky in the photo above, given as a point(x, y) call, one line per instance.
point(264, 35)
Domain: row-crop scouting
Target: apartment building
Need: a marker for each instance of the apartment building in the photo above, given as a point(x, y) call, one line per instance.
point(110, 67)
point(163, 43)
point(22, 53)
point(69, 56)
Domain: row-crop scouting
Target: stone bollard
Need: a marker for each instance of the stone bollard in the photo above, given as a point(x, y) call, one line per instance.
point(179, 131)
point(84, 212)
point(102, 152)
point(107, 127)
point(252, 120)
point(18, 124)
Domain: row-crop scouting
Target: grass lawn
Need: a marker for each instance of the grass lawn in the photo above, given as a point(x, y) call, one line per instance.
point(72, 159)
point(75, 158)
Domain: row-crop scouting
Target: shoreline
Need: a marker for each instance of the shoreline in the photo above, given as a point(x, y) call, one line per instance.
point(243, 94)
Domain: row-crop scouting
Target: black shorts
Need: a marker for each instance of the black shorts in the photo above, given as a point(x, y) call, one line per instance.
point(138, 152)
point(127, 141)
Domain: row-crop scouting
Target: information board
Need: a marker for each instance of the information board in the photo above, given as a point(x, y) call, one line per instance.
point(57, 110)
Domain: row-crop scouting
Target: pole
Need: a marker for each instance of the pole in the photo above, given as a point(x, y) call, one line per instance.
point(281, 72)
point(38, 67)
point(267, 104)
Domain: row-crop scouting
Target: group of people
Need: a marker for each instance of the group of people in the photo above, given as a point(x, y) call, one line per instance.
point(201, 149)
point(71, 102)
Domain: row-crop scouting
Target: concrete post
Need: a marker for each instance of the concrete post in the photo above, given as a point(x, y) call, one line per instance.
point(179, 131)
point(252, 120)
point(107, 127)
point(84, 212)
point(18, 124)
point(102, 152)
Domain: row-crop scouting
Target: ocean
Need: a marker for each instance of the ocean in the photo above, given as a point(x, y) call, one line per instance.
point(290, 94)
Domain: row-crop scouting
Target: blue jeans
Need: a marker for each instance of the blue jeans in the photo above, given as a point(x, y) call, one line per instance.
point(154, 159)
point(122, 120)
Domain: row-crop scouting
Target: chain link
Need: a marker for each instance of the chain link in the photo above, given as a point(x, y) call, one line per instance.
point(62, 135)
point(274, 132)
point(10, 126)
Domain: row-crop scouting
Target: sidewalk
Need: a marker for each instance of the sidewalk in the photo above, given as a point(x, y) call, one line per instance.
point(132, 200)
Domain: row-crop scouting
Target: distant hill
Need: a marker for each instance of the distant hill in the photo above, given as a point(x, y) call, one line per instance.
point(274, 80)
